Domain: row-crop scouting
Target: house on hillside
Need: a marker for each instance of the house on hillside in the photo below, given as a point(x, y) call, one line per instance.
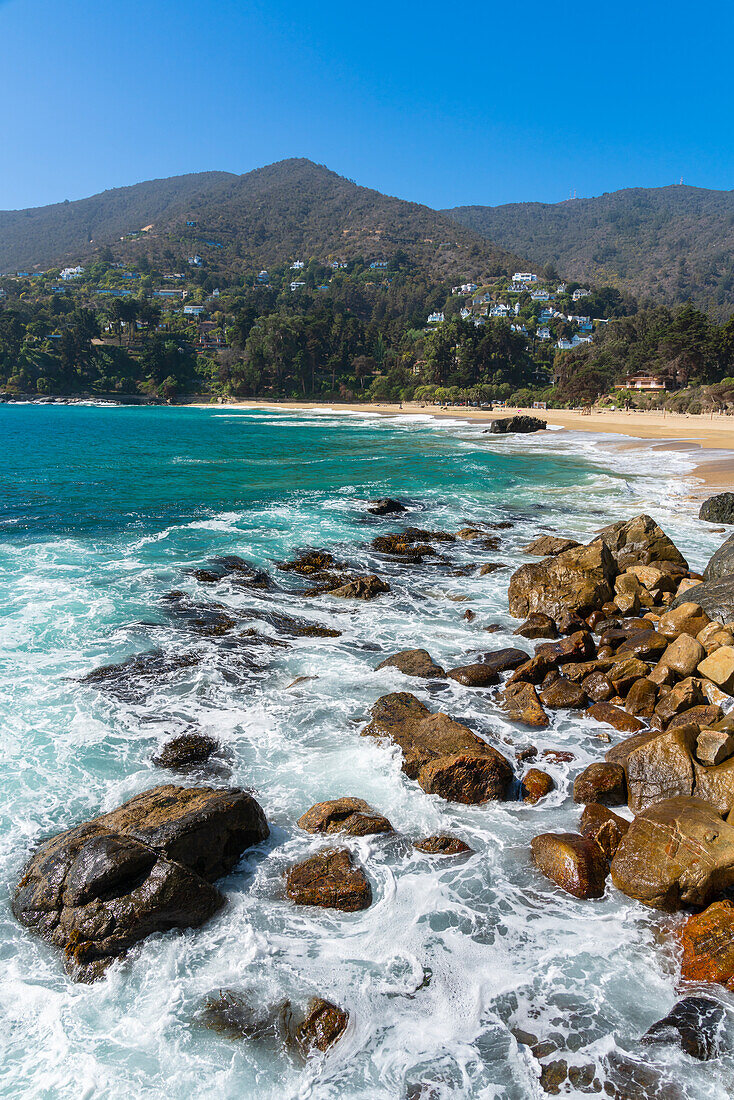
point(262, 276)
point(297, 265)
point(525, 277)
point(644, 383)
point(70, 272)
point(582, 292)
point(544, 333)
point(378, 265)
point(435, 318)
point(296, 285)
point(193, 311)
point(540, 296)
point(194, 261)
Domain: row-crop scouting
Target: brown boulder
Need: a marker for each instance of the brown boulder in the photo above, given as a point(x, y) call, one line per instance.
point(523, 705)
point(414, 662)
point(563, 694)
point(648, 645)
point(464, 764)
point(719, 667)
point(579, 580)
point(186, 751)
point(658, 766)
point(640, 541)
point(537, 625)
point(324, 1025)
point(624, 673)
point(546, 546)
point(604, 783)
point(352, 816)
point(572, 861)
point(708, 714)
point(476, 675)
point(504, 660)
point(707, 943)
point(684, 655)
point(676, 852)
point(642, 698)
point(145, 867)
point(678, 699)
point(578, 646)
point(686, 618)
point(598, 687)
point(442, 846)
point(331, 880)
point(615, 717)
point(715, 785)
point(361, 588)
point(601, 825)
point(536, 784)
point(714, 746)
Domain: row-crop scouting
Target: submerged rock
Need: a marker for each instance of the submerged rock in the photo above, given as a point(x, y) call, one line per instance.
point(536, 784)
point(385, 506)
point(232, 1014)
point(324, 1025)
point(694, 1025)
point(443, 755)
point(332, 880)
point(353, 816)
point(186, 751)
point(146, 867)
point(132, 679)
point(442, 845)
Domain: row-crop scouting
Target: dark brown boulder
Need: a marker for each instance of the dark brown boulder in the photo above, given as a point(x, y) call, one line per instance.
point(443, 755)
point(682, 697)
point(361, 588)
point(625, 672)
point(352, 816)
point(536, 784)
point(186, 751)
point(598, 687)
point(600, 824)
point(578, 580)
point(489, 567)
point(537, 625)
point(694, 1025)
point(521, 423)
point(503, 660)
point(642, 698)
point(324, 1025)
point(309, 562)
point(707, 943)
point(640, 541)
point(545, 546)
point(575, 647)
point(522, 704)
point(602, 783)
point(703, 716)
point(414, 662)
point(442, 845)
point(658, 766)
point(647, 645)
point(146, 867)
point(476, 675)
point(563, 694)
point(676, 852)
point(332, 880)
point(573, 862)
point(385, 506)
point(615, 717)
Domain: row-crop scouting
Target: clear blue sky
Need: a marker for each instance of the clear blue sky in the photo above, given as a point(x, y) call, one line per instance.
point(442, 103)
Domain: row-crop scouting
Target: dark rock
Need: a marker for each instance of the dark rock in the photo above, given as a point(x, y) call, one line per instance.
point(186, 751)
point(385, 506)
point(361, 588)
point(716, 597)
point(491, 567)
point(576, 647)
point(442, 846)
point(694, 1024)
point(603, 783)
point(600, 824)
point(536, 784)
point(476, 675)
point(614, 716)
point(309, 562)
point(444, 756)
point(331, 880)
point(523, 424)
point(352, 816)
point(640, 541)
point(718, 509)
point(414, 662)
point(578, 580)
point(523, 705)
point(324, 1025)
point(643, 644)
point(558, 756)
point(209, 620)
point(701, 717)
point(133, 679)
point(469, 615)
point(146, 867)
point(626, 672)
point(598, 687)
point(642, 698)
point(658, 766)
point(721, 564)
point(676, 852)
point(572, 861)
point(502, 660)
point(563, 694)
point(537, 625)
point(230, 1013)
point(571, 623)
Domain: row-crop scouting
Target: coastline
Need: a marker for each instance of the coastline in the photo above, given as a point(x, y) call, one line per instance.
point(713, 436)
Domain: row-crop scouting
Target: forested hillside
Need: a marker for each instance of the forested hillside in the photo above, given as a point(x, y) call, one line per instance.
point(666, 244)
point(290, 210)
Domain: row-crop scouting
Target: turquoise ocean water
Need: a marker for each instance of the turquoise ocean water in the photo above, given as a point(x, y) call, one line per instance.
point(102, 512)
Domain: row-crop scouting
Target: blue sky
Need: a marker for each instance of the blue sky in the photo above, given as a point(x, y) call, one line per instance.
point(436, 102)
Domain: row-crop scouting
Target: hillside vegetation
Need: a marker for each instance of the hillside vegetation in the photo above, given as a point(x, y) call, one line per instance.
point(289, 210)
point(666, 244)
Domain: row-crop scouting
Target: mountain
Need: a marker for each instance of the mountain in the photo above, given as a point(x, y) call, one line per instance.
point(665, 244)
point(293, 209)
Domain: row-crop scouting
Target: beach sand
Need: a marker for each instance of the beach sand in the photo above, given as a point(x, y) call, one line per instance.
point(665, 431)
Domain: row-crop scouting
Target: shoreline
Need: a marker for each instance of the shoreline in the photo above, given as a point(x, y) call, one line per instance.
point(712, 436)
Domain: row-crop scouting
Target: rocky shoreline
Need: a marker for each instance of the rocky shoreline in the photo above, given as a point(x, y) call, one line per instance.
point(621, 632)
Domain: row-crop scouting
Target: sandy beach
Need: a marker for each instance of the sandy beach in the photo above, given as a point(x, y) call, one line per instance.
point(712, 436)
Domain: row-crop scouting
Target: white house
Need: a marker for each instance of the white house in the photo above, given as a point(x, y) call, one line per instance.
point(194, 261)
point(297, 285)
point(561, 288)
point(582, 292)
point(297, 265)
point(544, 333)
point(193, 311)
point(71, 272)
point(540, 296)
point(435, 318)
point(524, 277)
point(465, 313)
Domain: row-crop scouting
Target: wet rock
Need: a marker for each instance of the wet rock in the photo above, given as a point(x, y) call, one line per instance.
point(576, 647)
point(701, 717)
point(571, 623)
point(522, 424)
point(332, 880)
point(186, 751)
point(523, 705)
point(718, 509)
point(684, 655)
point(626, 672)
point(385, 506)
point(537, 625)
point(146, 867)
point(476, 675)
point(642, 698)
point(694, 1025)
point(443, 755)
point(686, 617)
point(536, 784)
point(469, 615)
point(231, 1013)
point(721, 564)
point(719, 667)
point(659, 766)
point(352, 816)
point(442, 845)
point(309, 562)
point(546, 546)
point(503, 660)
point(598, 687)
point(707, 943)
point(324, 1025)
point(558, 756)
point(601, 825)
point(579, 580)
point(646, 645)
point(578, 671)
point(676, 852)
point(678, 699)
point(715, 597)
point(132, 679)
point(414, 662)
point(491, 567)
point(640, 541)
point(361, 588)
point(714, 746)
point(603, 783)
point(715, 785)
point(615, 717)
point(209, 620)
point(563, 694)
point(572, 861)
